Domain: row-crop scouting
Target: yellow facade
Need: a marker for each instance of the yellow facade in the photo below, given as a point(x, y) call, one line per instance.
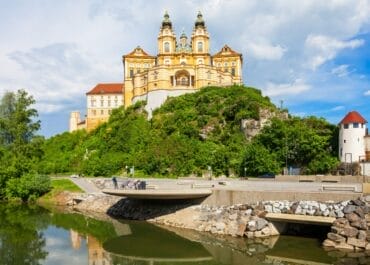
point(179, 66)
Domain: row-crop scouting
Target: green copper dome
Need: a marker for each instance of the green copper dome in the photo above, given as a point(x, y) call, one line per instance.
point(183, 35)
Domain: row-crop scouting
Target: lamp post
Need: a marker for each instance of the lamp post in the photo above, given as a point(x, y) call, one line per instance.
point(210, 172)
point(245, 172)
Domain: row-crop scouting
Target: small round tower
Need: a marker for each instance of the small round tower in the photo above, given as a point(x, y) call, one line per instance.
point(352, 130)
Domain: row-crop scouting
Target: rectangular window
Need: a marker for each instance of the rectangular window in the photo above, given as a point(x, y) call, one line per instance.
point(233, 71)
point(131, 73)
point(116, 103)
point(94, 112)
point(110, 112)
point(108, 103)
point(93, 102)
point(101, 112)
point(356, 125)
point(101, 103)
point(345, 126)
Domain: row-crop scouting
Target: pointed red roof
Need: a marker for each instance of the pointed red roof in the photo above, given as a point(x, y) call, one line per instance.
point(107, 88)
point(353, 117)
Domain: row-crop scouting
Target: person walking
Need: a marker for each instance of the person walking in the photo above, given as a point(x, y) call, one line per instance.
point(115, 184)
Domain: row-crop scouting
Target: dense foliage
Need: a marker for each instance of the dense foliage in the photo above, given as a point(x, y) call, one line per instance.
point(306, 143)
point(194, 134)
point(20, 148)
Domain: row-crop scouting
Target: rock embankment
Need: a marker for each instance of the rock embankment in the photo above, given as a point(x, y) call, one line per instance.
point(352, 231)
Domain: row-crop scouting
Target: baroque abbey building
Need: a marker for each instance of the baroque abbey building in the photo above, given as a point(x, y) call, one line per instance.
point(181, 66)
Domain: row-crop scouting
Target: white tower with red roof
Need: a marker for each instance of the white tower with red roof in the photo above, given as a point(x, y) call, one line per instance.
point(352, 132)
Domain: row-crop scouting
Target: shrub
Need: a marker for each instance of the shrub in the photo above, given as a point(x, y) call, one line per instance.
point(29, 186)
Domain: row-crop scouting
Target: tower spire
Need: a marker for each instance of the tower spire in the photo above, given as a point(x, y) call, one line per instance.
point(166, 22)
point(199, 21)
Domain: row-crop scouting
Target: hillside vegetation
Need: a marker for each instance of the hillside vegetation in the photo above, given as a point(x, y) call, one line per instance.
point(192, 135)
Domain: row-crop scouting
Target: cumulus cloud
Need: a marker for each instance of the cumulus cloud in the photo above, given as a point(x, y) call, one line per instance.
point(294, 88)
point(265, 51)
point(325, 48)
point(367, 93)
point(60, 50)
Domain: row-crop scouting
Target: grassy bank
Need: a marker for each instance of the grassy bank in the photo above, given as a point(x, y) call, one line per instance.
point(58, 186)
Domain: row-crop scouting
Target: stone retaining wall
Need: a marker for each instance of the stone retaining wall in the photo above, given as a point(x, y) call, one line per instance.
point(350, 230)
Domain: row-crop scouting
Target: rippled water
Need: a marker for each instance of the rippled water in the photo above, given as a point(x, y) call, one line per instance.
point(34, 235)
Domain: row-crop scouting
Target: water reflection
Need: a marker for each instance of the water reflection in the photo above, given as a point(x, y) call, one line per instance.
point(33, 235)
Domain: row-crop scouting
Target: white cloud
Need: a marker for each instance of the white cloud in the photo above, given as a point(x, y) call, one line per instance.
point(324, 48)
point(341, 70)
point(59, 50)
point(367, 93)
point(265, 51)
point(337, 108)
point(294, 88)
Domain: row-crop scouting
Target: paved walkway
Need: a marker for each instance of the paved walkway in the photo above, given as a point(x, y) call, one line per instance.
point(85, 185)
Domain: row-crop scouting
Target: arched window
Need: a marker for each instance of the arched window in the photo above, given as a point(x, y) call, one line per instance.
point(200, 46)
point(200, 61)
point(184, 81)
point(166, 47)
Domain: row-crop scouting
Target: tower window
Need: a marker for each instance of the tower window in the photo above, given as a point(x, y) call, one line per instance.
point(200, 46)
point(356, 125)
point(233, 71)
point(166, 47)
point(345, 126)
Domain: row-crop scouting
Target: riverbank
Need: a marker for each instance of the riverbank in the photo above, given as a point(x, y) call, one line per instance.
point(344, 223)
point(348, 233)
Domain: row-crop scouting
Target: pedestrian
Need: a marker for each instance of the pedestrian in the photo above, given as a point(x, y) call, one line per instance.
point(115, 184)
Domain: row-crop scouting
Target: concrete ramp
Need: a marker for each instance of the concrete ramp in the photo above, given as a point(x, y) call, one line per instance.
point(160, 194)
point(302, 219)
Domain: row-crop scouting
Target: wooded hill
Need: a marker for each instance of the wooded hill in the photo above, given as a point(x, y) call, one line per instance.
point(191, 134)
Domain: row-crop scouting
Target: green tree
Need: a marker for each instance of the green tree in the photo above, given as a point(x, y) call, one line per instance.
point(258, 160)
point(20, 148)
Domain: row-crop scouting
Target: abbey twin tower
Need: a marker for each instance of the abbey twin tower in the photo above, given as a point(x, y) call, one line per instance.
point(181, 66)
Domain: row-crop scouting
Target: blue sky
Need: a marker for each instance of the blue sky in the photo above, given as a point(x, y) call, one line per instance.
point(312, 54)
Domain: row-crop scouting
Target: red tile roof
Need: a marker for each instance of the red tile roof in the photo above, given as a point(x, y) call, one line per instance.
point(107, 88)
point(353, 117)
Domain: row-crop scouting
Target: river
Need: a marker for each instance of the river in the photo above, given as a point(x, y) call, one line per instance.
point(35, 235)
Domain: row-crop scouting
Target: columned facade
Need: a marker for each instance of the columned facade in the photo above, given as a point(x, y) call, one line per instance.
point(179, 67)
